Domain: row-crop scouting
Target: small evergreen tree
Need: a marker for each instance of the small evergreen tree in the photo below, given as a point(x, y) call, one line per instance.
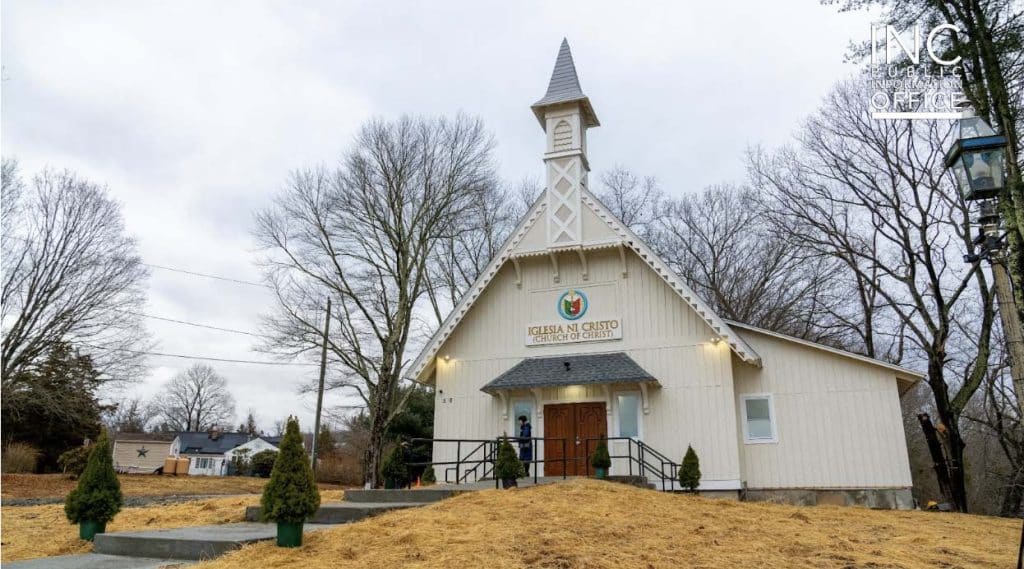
point(291, 496)
point(428, 476)
point(394, 469)
point(601, 458)
point(689, 472)
point(98, 495)
point(508, 466)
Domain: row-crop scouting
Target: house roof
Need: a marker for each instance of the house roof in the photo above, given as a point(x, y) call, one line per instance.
point(907, 376)
point(204, 443)
point(564, 87)
point(583, 369)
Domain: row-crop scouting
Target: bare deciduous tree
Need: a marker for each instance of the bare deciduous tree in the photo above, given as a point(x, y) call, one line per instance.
point(874, 196)
point(130, 415)
point(637, 202)
point(365, 235)
point(70, 274)
point(196, 399)
point(719, 242)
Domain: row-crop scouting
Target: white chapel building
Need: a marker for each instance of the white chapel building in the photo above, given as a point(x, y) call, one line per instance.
point(578, 325)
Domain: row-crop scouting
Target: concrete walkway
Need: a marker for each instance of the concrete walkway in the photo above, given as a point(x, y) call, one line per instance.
point(95, 561)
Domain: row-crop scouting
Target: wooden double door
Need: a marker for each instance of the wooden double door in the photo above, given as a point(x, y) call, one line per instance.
point(574, 422)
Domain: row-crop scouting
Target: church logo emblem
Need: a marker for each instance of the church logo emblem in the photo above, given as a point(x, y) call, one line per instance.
point(572, 305)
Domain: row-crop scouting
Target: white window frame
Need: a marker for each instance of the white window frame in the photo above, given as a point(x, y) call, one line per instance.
point(639, 413)
point(772, 419)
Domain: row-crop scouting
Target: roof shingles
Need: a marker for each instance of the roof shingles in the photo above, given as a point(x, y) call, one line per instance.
point(584, 369)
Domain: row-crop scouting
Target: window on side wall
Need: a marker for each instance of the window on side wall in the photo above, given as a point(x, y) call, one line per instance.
point(628, 405)
point(759, 419)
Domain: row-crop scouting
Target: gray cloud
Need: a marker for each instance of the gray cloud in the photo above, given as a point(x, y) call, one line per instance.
point(194, 112)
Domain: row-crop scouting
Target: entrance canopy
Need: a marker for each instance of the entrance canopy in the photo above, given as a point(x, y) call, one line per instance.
point(558, 371)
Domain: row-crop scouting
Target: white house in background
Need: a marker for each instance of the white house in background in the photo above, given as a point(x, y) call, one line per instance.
point(577, 324)
point(210, 453)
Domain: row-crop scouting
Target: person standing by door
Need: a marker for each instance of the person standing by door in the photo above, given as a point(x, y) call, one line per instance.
point(525, 443)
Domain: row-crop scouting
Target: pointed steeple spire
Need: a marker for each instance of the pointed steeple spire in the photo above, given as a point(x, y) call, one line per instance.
point(564, 87)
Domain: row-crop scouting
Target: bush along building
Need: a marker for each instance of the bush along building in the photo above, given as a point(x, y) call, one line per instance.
point(578, 325)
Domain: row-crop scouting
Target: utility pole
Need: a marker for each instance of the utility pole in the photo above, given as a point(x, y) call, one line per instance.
point(1008, 314)
point(320, 389)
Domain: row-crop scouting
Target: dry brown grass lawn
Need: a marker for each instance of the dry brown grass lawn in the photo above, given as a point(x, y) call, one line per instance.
point(43, 531)
point(587, 523)
point(58, 485)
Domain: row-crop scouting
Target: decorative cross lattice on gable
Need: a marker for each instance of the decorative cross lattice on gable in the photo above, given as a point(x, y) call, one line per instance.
point(564, 202)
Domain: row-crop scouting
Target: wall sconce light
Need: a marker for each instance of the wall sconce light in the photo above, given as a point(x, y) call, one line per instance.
point(447, 358)
point(715, 340)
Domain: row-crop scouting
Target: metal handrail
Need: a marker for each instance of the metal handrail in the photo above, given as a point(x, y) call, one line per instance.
point(489, 458)
point(643, 465)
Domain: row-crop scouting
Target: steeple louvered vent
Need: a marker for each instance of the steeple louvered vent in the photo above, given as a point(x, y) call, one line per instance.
point(563, 136)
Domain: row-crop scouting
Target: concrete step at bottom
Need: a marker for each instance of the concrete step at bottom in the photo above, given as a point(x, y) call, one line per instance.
point(96, 561)
point(343, 512)
point(190, 543)
point(419, 495)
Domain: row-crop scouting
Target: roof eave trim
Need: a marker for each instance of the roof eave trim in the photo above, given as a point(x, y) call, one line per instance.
point(901, 372)
point(584, 101)
point(419, 365)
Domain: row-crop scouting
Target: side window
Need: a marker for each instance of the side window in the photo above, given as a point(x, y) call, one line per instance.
point(628, 409)
point(759, 419)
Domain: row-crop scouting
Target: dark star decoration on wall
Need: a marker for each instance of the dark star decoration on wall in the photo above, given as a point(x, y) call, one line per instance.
point(142, 452)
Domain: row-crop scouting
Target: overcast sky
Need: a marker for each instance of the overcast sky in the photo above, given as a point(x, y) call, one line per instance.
point(193, 113)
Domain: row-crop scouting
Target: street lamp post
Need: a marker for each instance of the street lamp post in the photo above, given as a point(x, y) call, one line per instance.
point(977, 159)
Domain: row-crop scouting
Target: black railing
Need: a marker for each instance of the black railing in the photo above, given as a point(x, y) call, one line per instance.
point(475, 459)
point(482, 454)
point(645, 459)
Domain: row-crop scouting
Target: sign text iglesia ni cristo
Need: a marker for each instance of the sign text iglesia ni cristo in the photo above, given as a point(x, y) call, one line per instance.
point(573, 305)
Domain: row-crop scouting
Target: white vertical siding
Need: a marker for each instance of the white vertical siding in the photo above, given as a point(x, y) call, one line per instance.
point(838, 420)
point(694, 404)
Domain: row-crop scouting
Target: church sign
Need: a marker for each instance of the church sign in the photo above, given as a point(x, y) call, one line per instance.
point(583, 315)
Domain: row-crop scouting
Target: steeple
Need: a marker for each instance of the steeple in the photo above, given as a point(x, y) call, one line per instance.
point(564, 87)
point(565, 114)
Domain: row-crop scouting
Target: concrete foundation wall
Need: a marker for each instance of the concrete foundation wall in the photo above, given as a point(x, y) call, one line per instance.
point(876, 498)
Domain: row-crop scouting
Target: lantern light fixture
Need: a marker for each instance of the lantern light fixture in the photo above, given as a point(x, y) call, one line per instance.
point(977, 158)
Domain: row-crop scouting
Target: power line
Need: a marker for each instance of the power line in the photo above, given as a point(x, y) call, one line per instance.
point(196, 324)
point(208, 276)
point(205, 358)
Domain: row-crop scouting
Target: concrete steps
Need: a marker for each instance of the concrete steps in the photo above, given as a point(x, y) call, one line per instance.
point(342, 512)
point(158, 549)
point(191, 543)
point(420, 496)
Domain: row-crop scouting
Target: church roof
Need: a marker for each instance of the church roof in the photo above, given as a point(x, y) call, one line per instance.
point(564, 87)
point(425, 360)
point(584, 369)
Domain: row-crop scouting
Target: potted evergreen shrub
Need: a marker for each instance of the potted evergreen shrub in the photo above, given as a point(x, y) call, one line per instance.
point(689, 472)
point(291, 496)
point(600, 460)
point(394, 471)
point(508, 467)
point(97, 499)
point(429, 478)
